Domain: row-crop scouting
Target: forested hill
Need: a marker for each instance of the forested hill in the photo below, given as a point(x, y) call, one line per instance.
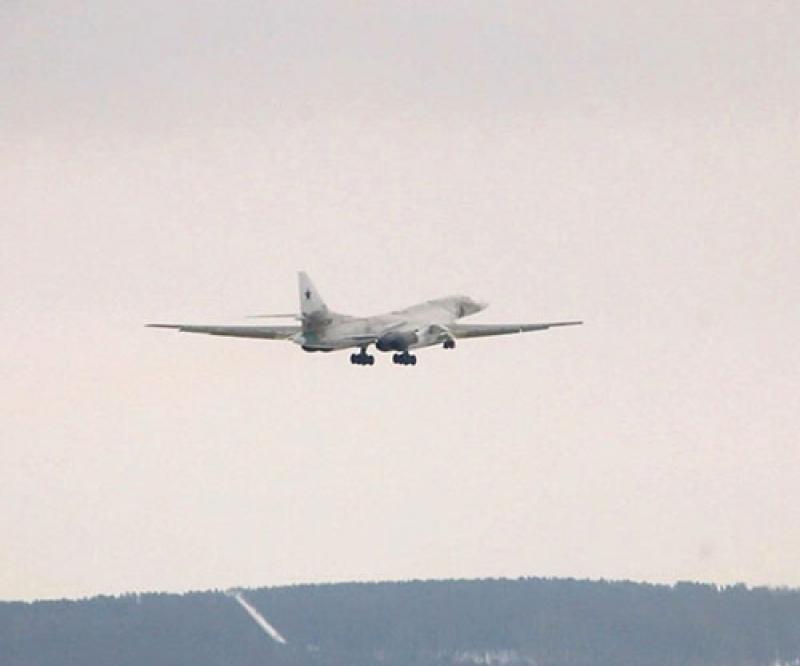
point(505, 622)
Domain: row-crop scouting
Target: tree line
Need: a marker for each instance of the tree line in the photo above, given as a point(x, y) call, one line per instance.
point(530, 622)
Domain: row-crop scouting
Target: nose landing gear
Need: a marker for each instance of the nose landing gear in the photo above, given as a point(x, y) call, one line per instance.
point(404, 359)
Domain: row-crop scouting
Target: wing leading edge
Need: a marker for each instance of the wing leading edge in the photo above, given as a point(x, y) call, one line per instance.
point(263, 332)
point(484, 330)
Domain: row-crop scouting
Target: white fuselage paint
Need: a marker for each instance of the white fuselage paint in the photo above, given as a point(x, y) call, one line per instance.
point(428, 320)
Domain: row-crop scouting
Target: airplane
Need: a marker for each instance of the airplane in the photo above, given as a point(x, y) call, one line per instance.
point(320, 329)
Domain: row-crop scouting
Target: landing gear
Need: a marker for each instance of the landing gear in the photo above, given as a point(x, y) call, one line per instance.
point(362, 358)
point(449, 344)
point(404, 359)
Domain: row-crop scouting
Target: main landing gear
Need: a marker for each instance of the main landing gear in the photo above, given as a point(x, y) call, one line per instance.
point(362, 358)
point(404, 359)
point(449, 344)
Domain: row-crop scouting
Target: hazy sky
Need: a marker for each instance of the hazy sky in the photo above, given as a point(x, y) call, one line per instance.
point(632, 164)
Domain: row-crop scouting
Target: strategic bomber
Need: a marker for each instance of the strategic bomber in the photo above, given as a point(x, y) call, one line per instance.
point(320, 329)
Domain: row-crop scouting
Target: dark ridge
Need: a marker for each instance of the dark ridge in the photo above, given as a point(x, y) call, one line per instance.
point(530, 622)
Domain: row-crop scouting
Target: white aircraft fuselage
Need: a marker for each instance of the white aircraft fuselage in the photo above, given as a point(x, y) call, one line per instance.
point(422, 325)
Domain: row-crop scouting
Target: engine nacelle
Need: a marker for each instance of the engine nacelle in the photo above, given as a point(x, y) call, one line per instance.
point(396, 341)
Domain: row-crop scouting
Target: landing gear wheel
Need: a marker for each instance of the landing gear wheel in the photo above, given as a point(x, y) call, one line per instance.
point(404, 359)
point(362, 359)
point(449, 344)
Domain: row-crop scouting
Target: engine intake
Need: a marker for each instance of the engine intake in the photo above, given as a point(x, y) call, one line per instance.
point(396, 341)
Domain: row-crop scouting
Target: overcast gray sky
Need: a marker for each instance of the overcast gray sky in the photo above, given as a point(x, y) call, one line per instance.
point(632, 164)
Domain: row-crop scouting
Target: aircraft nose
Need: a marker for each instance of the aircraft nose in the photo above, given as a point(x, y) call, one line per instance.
point(482, 305)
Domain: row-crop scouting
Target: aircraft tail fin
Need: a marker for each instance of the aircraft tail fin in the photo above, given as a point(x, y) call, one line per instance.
point(311, 304)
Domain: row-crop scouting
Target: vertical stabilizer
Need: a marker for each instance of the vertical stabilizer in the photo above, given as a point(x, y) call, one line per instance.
point(311, 304)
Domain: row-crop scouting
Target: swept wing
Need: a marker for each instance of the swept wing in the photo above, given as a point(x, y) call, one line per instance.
point(264, 332)
point(484, 330)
